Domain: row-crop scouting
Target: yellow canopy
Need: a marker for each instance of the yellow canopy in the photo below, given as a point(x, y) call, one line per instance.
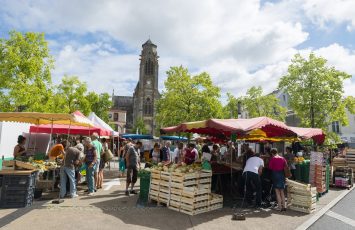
point(259, 135)
point(44, 118)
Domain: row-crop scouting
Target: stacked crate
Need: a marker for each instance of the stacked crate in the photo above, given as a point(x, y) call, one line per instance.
point(159, 187)
point(350, 158)
point(318, 172)
point(188, 193)
point(343, 177)
point(301, 197)
point(17, 188)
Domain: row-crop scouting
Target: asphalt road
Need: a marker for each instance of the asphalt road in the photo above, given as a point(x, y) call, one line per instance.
point(341, 216)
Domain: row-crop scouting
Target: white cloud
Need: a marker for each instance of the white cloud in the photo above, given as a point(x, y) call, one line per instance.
point(240, 43)
point(336, 11)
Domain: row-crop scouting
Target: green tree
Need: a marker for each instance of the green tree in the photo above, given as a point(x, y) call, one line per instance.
point(100, 104)
point(71, 96)
point(256, 105)
point(187, 98)
point(139, 126)
point(25, 72)
point(316, 92)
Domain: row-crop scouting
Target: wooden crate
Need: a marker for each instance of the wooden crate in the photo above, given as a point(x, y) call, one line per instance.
point(165, 176)
point(154, 187)
point(215, 199)
point(195, 211)
point(153, 197)
point(154, 192)
point(175, 191)
point(215, 206)
point(176, 185)
point(164, 195)
point(302, 209)
point(192, 200)
point(164, 189)
point(192, 192)
point(164, 183)
point(175, 198)
point(155, 182)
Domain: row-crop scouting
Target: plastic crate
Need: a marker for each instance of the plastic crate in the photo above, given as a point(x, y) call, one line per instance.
point(16, 198)
point(20, 182)
point(39, 156)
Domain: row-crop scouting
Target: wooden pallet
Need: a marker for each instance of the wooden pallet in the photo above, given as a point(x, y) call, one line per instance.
point(192, 200)
point(175, 191)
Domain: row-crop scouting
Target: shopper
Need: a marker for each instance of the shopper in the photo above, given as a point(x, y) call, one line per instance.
point(215, 152)
point(251, 177)
point(290, 158)
point(20, 149)
point(102, 163)
point(122, 160)
point(166, 151)
point(67, 171)
point(230, 155)
point(98, 147)
point(57, 151)
point(133, 164)
point(278, 164)
point(178, 153)
point(156, 154)
point(191, 154)
point(91, 164)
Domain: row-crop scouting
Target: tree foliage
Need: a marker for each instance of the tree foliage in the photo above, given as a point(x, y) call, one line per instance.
point(256, 105)
point(100, 104)
point(187, 98)
point(139, 126)
point(25, 72)
point(316, 91)
point(71, 96)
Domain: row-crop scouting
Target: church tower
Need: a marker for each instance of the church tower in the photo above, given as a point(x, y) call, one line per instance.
point(146, 92)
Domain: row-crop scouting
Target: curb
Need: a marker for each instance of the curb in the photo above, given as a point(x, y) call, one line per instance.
point(321, 212)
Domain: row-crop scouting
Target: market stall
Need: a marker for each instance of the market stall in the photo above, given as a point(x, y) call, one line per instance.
point(24, 194)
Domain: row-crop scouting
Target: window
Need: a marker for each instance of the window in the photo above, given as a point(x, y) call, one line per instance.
point(148, 107)
point(335, 127)
point(149, 67)
point(115, 116)
point(284, 97)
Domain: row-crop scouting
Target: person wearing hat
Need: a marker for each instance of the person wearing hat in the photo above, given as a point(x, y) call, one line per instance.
point(20, 149)
point(91, 164)
point(67, 171)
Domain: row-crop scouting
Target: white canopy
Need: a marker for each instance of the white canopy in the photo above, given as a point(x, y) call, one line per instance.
point(101, 124)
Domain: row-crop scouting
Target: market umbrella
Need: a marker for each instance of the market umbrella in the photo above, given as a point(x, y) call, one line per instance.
point(310, 133)
point(44, 118)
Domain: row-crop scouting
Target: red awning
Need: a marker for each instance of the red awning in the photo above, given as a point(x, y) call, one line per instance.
point(64, 129)
point(215, 127)
point(307, 133)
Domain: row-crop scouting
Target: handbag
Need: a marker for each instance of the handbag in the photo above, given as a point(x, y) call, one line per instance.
point(108, 155)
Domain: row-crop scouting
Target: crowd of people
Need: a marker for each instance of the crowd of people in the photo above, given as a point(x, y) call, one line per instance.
point(88, 153)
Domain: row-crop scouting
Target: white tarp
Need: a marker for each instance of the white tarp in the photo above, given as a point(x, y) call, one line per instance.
point(101, 124)
point(9, 132)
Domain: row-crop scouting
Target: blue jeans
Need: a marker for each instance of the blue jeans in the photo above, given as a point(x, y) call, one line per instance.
point(90, 177)
point(65, 173)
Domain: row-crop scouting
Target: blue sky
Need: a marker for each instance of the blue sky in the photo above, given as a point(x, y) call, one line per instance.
point(240, 43)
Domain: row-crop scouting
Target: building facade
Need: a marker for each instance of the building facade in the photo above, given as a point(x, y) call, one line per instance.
point(346, 133)
point(143, 102)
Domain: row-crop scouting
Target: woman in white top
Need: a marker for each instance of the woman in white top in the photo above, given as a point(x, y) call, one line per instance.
point(178, 155)
point(156, 154)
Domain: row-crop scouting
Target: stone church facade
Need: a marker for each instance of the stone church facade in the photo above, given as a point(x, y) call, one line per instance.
point(143, 102)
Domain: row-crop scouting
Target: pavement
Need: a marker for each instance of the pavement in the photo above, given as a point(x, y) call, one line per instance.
point(109, 208)
point(340, 216)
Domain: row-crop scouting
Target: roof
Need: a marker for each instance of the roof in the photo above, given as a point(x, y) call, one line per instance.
point(149, 43)
point(122, 101)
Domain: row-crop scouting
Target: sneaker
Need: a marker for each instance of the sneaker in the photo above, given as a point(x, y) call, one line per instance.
point(133, 192)
point(127, 193)
point(91, 194)
point(74, 196)
point(87, 190)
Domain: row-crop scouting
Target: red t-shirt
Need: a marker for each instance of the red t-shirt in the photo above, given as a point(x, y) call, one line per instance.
point(277, 163)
